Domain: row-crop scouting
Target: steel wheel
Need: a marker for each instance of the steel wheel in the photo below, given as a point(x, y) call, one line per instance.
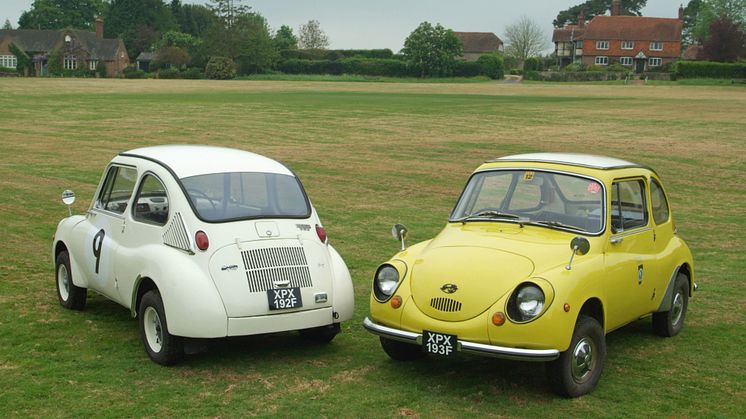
point(669, 323)
point(63, 282)
point(69, 295)
point(162, 347)
point(583, 360)
point(153, 329)
point(578, 369)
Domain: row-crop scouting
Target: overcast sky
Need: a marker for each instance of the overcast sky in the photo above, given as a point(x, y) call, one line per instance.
point(386, 23)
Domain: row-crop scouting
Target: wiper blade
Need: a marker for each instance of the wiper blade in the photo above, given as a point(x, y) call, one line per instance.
point(556, 224)
point(489, 214)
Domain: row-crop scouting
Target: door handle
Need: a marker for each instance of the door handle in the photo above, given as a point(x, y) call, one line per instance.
point(616, 240)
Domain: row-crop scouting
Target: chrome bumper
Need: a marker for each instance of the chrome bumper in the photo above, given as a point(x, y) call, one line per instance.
point(464, 346)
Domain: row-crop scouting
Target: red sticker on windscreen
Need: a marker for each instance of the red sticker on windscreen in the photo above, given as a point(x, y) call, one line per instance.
point(594, 187)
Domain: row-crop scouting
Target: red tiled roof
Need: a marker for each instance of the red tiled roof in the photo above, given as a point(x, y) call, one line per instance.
point(568, 33)
point(634, 28)
point(479, 41)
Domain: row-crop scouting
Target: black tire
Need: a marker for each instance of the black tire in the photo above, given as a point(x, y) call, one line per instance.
point(162, 347)
point(578, 369)
point(70, 295)
point(669, 323)
point(322, 335)
point(400, 351)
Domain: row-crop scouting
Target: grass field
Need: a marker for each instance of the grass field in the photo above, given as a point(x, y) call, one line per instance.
point(370, 155)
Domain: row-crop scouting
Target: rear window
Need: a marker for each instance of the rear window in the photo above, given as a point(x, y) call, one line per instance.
point(233, 196)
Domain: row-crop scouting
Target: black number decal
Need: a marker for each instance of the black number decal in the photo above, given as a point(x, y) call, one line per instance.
point(97, 247)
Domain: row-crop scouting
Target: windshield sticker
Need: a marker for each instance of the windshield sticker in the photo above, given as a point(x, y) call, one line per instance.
point(594, 187)
point(528, 176)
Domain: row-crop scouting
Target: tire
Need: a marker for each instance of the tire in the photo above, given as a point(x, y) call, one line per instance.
point(669, 323)
point(70, 295)
point(321, 335)
point(578, 369)
point(400, 351)
point(162, 347)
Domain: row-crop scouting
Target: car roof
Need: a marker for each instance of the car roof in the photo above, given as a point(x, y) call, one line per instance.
point(192, 160)
point(571, 159)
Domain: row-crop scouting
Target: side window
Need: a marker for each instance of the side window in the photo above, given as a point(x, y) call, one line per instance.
point(658, 202)
point(151, 205)
point(117, 189)
point(628, 208)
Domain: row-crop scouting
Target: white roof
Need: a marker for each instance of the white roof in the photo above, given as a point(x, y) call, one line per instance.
point(574, 159)
point(192, 160)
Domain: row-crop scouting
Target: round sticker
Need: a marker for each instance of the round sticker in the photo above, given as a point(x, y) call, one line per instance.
point(594, 187)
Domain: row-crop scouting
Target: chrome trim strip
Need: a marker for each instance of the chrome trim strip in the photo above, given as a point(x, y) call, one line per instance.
point(518, 354)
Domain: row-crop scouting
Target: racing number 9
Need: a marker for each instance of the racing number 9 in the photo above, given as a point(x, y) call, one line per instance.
point(99, 237)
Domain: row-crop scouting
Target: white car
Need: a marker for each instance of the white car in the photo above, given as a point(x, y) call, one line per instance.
point(203, 242)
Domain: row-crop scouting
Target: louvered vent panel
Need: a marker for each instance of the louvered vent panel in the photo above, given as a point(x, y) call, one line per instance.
point(264, 266)
point(445, 304)
point(176, 234)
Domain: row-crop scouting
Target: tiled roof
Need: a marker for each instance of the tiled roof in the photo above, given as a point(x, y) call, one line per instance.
point(44, 40)
point(479, 41)
point(636, 28)
point(568, 33)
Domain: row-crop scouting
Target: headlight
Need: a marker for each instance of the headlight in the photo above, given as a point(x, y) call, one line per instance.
point(385, 282)
point(526, 303)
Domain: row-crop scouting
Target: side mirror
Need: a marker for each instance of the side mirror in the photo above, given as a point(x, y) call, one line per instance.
point(399, 231)
point(580, 246)
point(68, 198)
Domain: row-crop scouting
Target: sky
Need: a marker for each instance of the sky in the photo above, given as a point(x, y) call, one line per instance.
point(366, 24)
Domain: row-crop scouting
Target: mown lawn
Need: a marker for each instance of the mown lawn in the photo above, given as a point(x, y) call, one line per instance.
point(370, 155)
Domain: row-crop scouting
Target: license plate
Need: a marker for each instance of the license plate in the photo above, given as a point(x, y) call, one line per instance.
point(284, 298)
point(439, 343)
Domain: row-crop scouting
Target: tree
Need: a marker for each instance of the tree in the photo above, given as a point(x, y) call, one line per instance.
point(727, 40)
point(432, 50)
point(171, 56)
point(59, 14)
point(194, 19)
point(735, 10)
point(7, 24)
point(285, 39)
point(524, 39)
point(139, 23)
point(311, 36)
point(691, 13)
point(592, 8)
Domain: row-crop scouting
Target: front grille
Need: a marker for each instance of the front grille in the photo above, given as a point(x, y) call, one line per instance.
point(445, 304)
point(267, 265)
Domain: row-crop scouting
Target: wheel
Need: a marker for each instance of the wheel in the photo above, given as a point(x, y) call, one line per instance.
point(161, 346)
point(669, 323)
point(578, 369)
point(400, 351)
point(70, 295)
point(323, 334)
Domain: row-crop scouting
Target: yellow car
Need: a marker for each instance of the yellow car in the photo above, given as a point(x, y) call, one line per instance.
point(542, 256)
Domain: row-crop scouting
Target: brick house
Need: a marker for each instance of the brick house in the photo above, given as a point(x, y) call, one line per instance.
point(78, 49)
point(568, 44)
point(640, 43)
point(477, 44)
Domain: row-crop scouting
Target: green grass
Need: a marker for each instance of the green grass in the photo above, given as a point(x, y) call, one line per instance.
point(370, 155)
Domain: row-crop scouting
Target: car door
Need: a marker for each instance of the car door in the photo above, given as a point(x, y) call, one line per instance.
point(663, 233)
point(629, 256)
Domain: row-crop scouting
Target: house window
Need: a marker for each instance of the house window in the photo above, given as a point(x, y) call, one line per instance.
point(602, 44)
point(625, 61)
point(656, 46)
point(654, 62)
point(92, 65)
point(8, 61)
point(628, 44)
point(602, 60)
point(579, 44)
point(70, 62)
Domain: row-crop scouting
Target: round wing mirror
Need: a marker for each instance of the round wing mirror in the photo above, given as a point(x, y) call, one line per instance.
point(580, 245)
point(68, 197)
point(399, 231)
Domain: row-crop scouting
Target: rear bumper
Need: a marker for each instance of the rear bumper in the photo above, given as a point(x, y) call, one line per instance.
point(242, 326)
point(518, 354)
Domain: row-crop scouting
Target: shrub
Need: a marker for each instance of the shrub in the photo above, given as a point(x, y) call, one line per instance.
point(532, 64)
point(375, 67)
point(491, 65)
point(467, 69)
point(574, 67)
point(192, 73)
point(169, 73)
point(220, 68)
point(132, 73)
point(708, 69)
point(618, 68)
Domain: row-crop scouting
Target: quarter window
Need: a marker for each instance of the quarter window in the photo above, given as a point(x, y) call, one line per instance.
point(628, 208)
point(658, 202)
point(628, 44)
point(602, 44)
point(151, 204)
point(117, 189)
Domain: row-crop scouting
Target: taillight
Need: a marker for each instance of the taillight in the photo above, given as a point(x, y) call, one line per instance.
point(202, 241)
point(321, 233)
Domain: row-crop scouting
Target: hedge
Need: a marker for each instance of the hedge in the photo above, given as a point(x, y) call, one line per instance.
point(573, 76)
point(709, 70)
point(335, 54)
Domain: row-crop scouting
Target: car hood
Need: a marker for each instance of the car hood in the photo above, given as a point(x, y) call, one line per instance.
point(467, 268)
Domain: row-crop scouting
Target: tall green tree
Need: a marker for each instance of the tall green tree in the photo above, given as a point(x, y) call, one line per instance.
point(710, 10)
point(285, 38)
point(194, 19)
point(432, 50)
point(311, 36)
point(7, 24)
point(139, 23)
point(592, 8)
point(691, 14)
point(525, 39)
point(59, 14)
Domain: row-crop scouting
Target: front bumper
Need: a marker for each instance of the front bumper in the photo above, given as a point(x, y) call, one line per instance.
point(518, 354)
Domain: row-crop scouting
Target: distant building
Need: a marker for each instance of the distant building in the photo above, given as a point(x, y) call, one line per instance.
point(78, 49)
point(477, 44)
point(640, 43)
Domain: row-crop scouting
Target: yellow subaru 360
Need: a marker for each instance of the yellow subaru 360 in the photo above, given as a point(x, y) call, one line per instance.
point(542, 256)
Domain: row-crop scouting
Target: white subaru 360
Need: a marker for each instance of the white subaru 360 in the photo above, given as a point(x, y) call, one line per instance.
point(203, 242)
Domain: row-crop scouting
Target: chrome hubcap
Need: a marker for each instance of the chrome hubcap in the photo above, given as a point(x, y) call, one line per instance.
point(677, 309)
point(63, 282)
point(583, 359)
point(153, 329)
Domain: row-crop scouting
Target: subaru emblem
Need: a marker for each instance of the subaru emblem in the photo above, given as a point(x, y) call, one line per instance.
point(449, 288)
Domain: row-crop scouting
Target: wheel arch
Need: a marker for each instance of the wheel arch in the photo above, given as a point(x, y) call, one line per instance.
point(142, 286)
point(685, 269)
point(594, 308)
point(59, 247)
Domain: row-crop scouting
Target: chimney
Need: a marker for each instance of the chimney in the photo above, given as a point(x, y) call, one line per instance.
point(99, 27)
point(681, 12)
point(581, 19)
point(616, 7)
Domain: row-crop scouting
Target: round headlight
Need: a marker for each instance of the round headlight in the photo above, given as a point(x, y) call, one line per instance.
point(526, 303)
point(386, 280)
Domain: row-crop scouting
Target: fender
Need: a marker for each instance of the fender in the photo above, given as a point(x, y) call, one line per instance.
point(666, 301)
point(344, 297)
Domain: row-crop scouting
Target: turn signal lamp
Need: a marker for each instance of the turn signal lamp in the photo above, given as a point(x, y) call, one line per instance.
point(498, 319)
point(396, 301)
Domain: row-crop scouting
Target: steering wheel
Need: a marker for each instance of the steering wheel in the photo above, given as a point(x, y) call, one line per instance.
point(201, 194)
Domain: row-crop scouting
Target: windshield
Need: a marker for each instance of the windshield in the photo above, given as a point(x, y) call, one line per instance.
point(547, 199)
point(231, 196)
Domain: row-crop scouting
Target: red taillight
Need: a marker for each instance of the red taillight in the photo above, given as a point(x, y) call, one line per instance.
point(202, 241)
point(321, 233)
